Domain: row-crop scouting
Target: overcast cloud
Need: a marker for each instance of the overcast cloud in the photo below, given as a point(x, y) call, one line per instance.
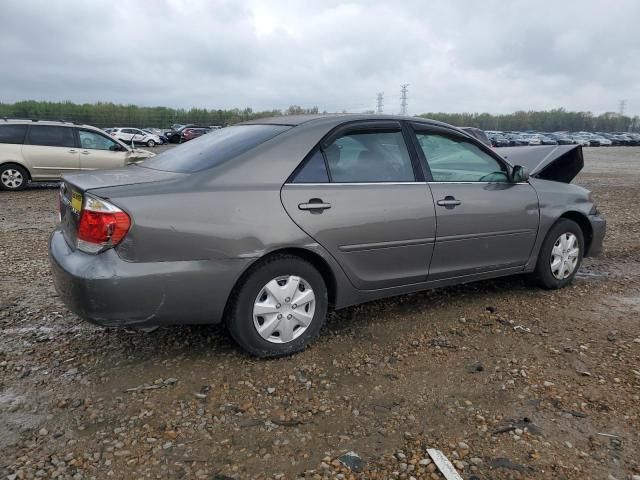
point(494, 56)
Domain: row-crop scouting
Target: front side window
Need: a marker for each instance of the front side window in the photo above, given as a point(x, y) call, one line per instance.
point(453, 159)
point(95, 141)
point(12, 133)
point(362, 157)
point(51, 136)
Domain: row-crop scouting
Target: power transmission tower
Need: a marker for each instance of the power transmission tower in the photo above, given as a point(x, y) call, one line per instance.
point(403, 98)
point(621, 105)
point(379, 102)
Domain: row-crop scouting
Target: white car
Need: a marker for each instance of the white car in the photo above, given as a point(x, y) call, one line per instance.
point(136, 135)
point(32, 151)
point(532, 138)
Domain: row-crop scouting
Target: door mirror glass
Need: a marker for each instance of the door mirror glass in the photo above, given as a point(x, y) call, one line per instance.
point(519, 174)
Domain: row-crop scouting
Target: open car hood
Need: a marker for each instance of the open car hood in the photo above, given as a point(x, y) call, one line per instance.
point(560, 163)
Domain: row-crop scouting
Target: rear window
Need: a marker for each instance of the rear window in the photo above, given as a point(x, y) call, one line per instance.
point(12, 133)
point(214, 148)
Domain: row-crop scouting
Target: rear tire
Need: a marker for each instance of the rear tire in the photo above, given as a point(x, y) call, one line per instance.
point(293, 296)
point(558, 259)
point(13, 177)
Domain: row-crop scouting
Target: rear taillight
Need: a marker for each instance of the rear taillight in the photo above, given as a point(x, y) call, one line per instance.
point(102, 225)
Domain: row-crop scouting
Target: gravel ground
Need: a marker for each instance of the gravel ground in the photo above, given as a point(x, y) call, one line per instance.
point(508, 380)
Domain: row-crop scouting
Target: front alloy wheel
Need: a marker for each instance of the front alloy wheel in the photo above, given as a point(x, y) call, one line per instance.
point(564, 255)
point(560, 256)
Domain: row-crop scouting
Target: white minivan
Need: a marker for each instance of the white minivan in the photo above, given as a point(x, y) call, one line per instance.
point(35, 151)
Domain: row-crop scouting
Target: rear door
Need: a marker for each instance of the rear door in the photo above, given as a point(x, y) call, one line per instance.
point(485, 221)
point(50, 151)
point(362, 197)
point(98, 151)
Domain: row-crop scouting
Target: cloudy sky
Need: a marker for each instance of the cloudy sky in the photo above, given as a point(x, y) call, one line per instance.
point(456, 55)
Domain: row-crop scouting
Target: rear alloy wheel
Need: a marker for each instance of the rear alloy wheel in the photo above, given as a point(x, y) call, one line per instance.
point(151, 143)
point(279, 308)
point(13, 177)
point(561, 255)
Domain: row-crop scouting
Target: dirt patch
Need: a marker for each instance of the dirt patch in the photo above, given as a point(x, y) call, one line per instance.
point(509, 381)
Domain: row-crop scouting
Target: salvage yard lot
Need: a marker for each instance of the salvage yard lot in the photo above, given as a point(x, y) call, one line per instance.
point(508, 380)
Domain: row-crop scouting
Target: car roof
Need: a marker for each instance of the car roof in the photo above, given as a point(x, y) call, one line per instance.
point(59, 123)
point(339, 118)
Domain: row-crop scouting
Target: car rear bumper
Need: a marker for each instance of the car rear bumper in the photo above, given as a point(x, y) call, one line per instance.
point(598, 227)
point(108, 291)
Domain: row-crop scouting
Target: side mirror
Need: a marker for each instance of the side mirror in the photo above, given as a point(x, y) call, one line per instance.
point(519, 174)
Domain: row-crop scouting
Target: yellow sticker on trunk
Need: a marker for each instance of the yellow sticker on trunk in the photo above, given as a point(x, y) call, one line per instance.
point(76, 201)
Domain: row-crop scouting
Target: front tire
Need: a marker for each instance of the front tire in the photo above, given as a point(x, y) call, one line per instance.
point(151, 143)
point(13, 177)
point(279, 307)
point(560, 255)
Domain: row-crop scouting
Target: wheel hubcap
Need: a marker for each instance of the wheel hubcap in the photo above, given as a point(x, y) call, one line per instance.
point(11, 178)
point(284, 309)
point(564, 255)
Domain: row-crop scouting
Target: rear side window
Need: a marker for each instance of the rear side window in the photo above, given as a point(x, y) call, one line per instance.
point(370, 157)
point(214, 148)
point(50, 136)
point(12, 133)
point(314, 170)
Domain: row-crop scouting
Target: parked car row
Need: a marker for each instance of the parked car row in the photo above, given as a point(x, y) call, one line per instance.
point(586, 139)
point(32, 151)
point(183, 133)
point(151, 136)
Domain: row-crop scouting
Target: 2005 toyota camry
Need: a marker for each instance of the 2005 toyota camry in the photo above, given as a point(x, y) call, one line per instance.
point(268, 224)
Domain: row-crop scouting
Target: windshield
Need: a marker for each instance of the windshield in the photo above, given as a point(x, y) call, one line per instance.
point(214, 148)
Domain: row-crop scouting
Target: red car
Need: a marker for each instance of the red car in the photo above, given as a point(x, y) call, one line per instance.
point(191, 133)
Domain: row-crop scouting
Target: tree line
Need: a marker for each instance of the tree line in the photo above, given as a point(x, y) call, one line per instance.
point(106, 114)
point(543, 121)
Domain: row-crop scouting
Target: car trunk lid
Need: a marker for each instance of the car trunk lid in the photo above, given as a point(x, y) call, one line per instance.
point(560, 163)
point(74, 189)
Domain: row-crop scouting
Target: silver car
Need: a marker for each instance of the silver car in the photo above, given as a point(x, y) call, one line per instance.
point(42, 151)
point(268, 224)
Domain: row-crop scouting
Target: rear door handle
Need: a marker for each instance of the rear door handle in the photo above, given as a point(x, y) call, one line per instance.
point(449, 202)
point(315, 205)
point(72, 151)
point(85, 152)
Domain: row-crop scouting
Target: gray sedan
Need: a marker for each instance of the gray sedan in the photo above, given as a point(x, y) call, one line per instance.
point(267, 225)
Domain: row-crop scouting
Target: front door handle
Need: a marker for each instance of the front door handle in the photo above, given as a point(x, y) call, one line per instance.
point(72, 151)
point(315, 205)
point(449, 202)
point(85, 152)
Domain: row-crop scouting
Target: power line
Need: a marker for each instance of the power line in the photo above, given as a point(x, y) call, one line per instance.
point(403, 98)
point(621, 106)
point(379, 102)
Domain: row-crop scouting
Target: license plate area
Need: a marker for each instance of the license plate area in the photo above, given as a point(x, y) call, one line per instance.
point(76, 202)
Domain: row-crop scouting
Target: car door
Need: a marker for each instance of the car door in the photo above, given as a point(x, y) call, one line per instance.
point(485, 221)
point(50, 151)
point(361, 196)
point(138, 135)
point(126, 134)
point(98, 151)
